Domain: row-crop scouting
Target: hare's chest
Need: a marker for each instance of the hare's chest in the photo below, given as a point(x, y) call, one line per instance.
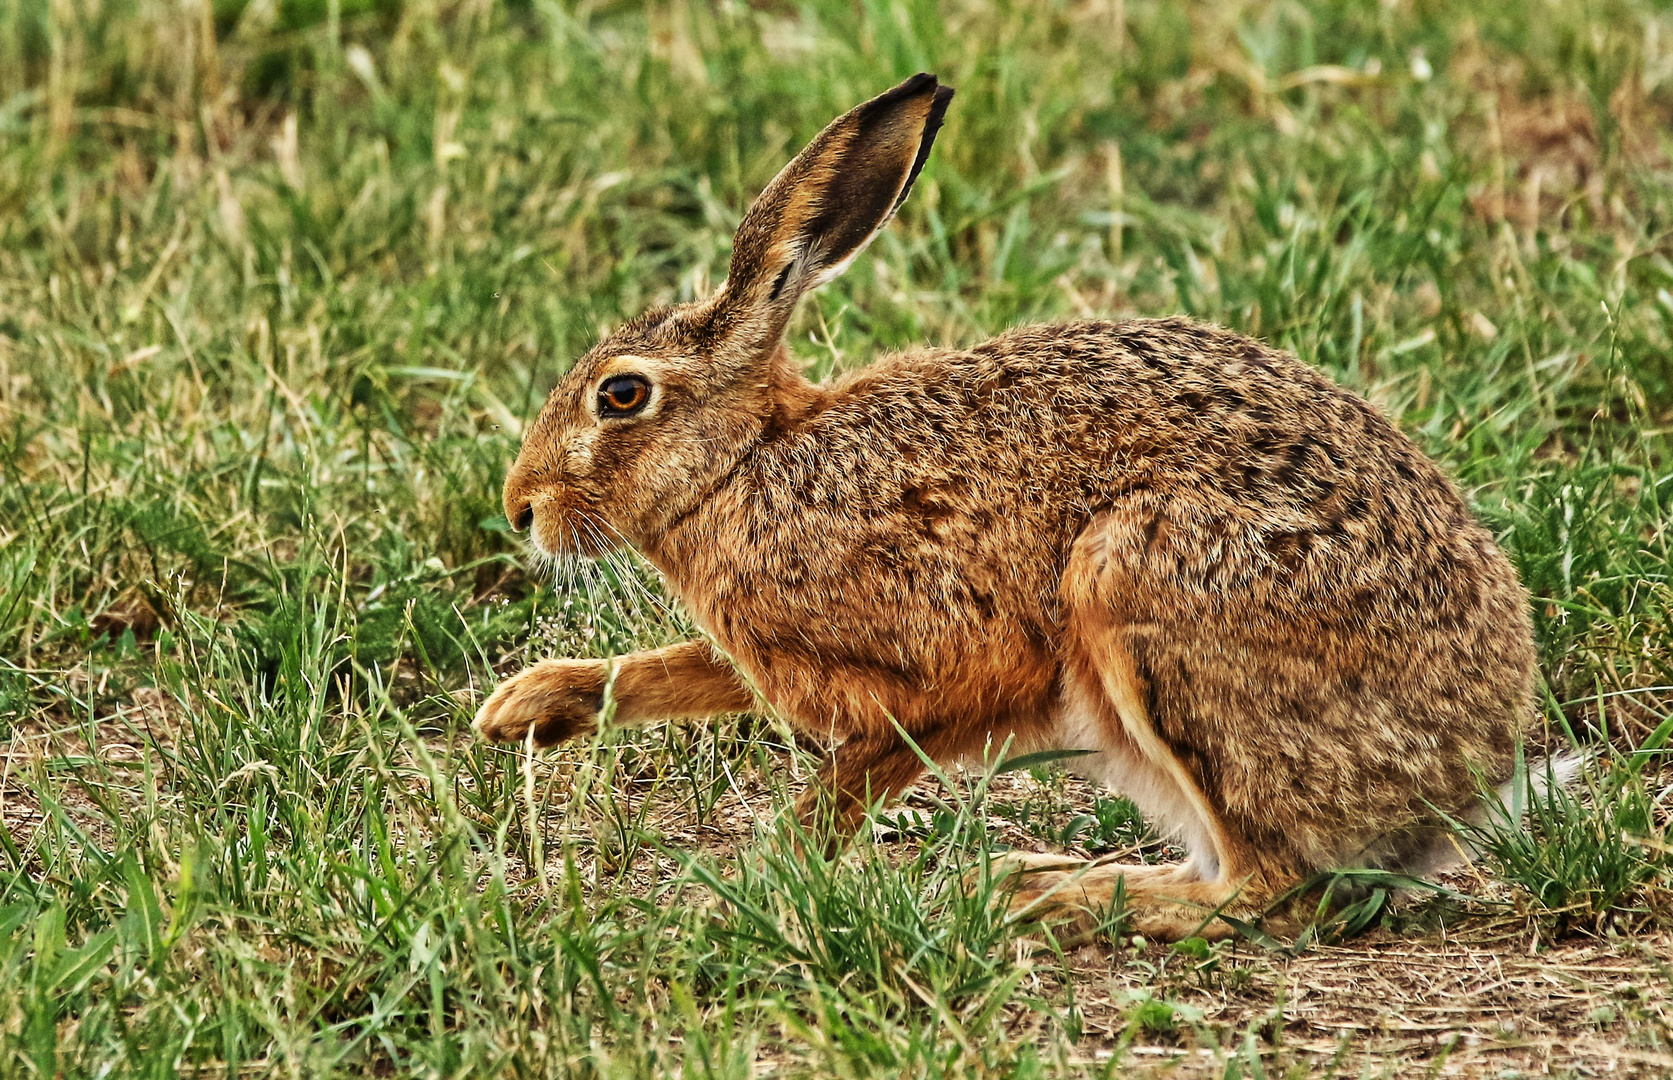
point(848, 582)
point(844, 634)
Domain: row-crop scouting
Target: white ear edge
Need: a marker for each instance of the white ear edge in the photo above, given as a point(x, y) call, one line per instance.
point(830, 272)
point(837, 269)
point(791, 280)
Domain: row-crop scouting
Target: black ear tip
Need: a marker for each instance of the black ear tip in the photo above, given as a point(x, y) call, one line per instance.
point(932, 125)
point(938, 110)
point(911, 88)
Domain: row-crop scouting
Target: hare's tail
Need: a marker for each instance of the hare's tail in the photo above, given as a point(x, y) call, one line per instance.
point(1504, 809)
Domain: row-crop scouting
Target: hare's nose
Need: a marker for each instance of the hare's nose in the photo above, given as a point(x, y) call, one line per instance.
point(519, 509)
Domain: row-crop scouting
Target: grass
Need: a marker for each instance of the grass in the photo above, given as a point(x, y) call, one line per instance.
point(281, 281)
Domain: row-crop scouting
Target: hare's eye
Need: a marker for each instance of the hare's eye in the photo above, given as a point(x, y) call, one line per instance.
point(622, 395)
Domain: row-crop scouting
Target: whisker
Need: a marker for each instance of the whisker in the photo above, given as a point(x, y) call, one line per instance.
point(613, 580)
point(616, 596)
point(634, 561)
point(610, 555)
point(593, 586)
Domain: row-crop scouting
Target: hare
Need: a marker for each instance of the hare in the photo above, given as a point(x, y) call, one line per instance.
point(1268, 616)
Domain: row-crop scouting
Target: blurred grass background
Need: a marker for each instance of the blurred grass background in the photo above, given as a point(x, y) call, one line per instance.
point(281, 280)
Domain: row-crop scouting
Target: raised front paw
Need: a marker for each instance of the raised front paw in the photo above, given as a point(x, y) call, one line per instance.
point(559, 699)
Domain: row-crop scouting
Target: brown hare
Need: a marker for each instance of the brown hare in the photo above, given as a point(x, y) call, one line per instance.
point(1268, 613)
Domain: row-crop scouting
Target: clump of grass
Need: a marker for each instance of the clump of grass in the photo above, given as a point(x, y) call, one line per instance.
point(1591, 853)
point(1109, 823)
point(859, 946)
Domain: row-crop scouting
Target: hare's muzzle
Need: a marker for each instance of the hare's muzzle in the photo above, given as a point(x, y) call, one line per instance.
point(556, 525)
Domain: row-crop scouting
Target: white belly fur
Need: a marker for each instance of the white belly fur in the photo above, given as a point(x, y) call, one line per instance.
point(1082, 723)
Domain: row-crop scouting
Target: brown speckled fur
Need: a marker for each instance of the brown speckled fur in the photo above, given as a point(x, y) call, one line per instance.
point(1272, 616)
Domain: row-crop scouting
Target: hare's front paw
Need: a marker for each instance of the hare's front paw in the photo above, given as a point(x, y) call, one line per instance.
point(559, 699)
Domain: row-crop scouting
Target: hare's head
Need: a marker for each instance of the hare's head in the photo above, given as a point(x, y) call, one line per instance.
point(646, 423)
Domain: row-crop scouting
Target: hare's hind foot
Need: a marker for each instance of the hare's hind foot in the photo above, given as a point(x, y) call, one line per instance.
point(1078, 898)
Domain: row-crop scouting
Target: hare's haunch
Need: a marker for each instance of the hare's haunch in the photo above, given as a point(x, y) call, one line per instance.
point(1273, 619)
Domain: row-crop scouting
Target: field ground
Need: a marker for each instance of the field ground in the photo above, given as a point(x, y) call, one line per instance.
point(280, 282)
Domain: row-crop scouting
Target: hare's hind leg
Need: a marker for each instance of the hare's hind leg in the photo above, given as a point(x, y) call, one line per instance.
point(1059, 887)
point(1104, 707)
point(1166, 902)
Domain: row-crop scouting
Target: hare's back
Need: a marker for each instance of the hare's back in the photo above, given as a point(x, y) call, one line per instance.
point(1271, 477)
point(1268, 478)
point(1189, 411)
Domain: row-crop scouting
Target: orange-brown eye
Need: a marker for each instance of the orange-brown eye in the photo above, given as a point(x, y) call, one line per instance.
point(623, 395)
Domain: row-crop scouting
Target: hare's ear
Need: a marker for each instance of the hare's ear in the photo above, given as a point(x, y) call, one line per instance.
point(828, 203)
